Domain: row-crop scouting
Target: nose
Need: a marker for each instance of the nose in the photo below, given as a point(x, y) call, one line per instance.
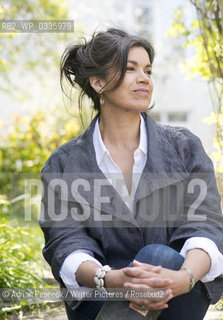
point(142, 77)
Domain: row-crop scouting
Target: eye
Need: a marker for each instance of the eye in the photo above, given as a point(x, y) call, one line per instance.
point(149, 72)
point(130, 68)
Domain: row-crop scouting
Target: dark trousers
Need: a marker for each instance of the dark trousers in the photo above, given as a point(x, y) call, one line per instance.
point(190, 306)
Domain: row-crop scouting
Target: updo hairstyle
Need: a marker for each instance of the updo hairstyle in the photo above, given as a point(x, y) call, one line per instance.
point(104, 56)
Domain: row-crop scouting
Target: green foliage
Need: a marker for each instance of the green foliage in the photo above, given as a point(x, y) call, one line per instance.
point(205, 35)
point(220, 305)
point(34, 52)
point(25, 149)
point(217, 156)
point(28, 141)
point(19, 254)
point(18, 267)
point(31, 140)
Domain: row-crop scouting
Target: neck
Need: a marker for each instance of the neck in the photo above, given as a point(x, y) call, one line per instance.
point(122, 131)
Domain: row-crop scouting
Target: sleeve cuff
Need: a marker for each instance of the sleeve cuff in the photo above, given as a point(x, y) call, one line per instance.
point(70, 266)
point(210, 247)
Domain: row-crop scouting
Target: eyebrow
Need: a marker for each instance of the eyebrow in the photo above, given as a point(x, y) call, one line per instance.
point(135, 63)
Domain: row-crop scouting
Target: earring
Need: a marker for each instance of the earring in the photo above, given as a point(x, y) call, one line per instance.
point(101, 100)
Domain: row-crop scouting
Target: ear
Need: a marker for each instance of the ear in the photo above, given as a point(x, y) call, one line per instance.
point(96, 83)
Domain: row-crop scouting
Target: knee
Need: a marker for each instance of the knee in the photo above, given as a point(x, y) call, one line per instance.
point(162, 255)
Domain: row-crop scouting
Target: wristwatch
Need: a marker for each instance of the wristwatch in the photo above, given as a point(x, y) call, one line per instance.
point(192, 279)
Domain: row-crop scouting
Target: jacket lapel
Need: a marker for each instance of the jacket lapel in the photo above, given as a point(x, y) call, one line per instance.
point(163, 167)
point(81, 164)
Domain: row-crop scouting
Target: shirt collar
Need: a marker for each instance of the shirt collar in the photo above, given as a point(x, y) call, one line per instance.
point(101, 150)
point(143, 136)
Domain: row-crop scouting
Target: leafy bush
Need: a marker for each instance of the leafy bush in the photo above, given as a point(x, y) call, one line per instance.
point(25, 149)
point(30, 141)
point(18, 268)
point(18, 257)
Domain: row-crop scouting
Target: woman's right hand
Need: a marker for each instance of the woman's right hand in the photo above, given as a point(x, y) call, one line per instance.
point(117, 278)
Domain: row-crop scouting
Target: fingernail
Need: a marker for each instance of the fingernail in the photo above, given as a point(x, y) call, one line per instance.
point(125, 284)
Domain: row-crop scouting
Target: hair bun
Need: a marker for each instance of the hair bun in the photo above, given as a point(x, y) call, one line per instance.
point(69, 63)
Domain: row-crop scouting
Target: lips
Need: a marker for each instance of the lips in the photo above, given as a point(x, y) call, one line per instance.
point(142, 91)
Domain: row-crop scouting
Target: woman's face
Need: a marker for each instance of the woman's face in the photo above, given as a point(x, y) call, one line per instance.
point(135, 91)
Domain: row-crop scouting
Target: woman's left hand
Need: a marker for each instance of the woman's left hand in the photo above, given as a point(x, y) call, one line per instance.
point(141, 272)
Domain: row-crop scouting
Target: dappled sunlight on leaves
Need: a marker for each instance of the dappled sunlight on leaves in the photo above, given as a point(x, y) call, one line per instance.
point(204, 34)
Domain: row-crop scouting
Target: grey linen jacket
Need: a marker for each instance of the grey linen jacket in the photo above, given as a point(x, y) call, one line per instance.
point(176, 199)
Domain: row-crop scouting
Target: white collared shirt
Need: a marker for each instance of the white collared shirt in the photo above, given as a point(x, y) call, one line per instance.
point(113, 173)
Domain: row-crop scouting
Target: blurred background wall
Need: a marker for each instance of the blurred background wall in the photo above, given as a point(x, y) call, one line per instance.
point(178, 100)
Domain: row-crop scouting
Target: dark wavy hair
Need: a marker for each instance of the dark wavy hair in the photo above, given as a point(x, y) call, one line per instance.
point(104, 55)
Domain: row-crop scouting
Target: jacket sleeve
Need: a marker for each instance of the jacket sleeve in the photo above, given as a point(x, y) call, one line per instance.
point(62, 234)
point(201, 210)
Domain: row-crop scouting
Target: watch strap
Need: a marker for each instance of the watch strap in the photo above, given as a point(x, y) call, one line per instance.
point(192, 279)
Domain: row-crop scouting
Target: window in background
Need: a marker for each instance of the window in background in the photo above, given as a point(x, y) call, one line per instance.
point(172, 118)
point(177, 117)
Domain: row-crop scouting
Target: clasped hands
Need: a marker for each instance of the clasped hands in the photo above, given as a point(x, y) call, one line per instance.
point(144, 276)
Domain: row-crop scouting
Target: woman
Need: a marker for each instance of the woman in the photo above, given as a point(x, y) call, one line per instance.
point(130, 194)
